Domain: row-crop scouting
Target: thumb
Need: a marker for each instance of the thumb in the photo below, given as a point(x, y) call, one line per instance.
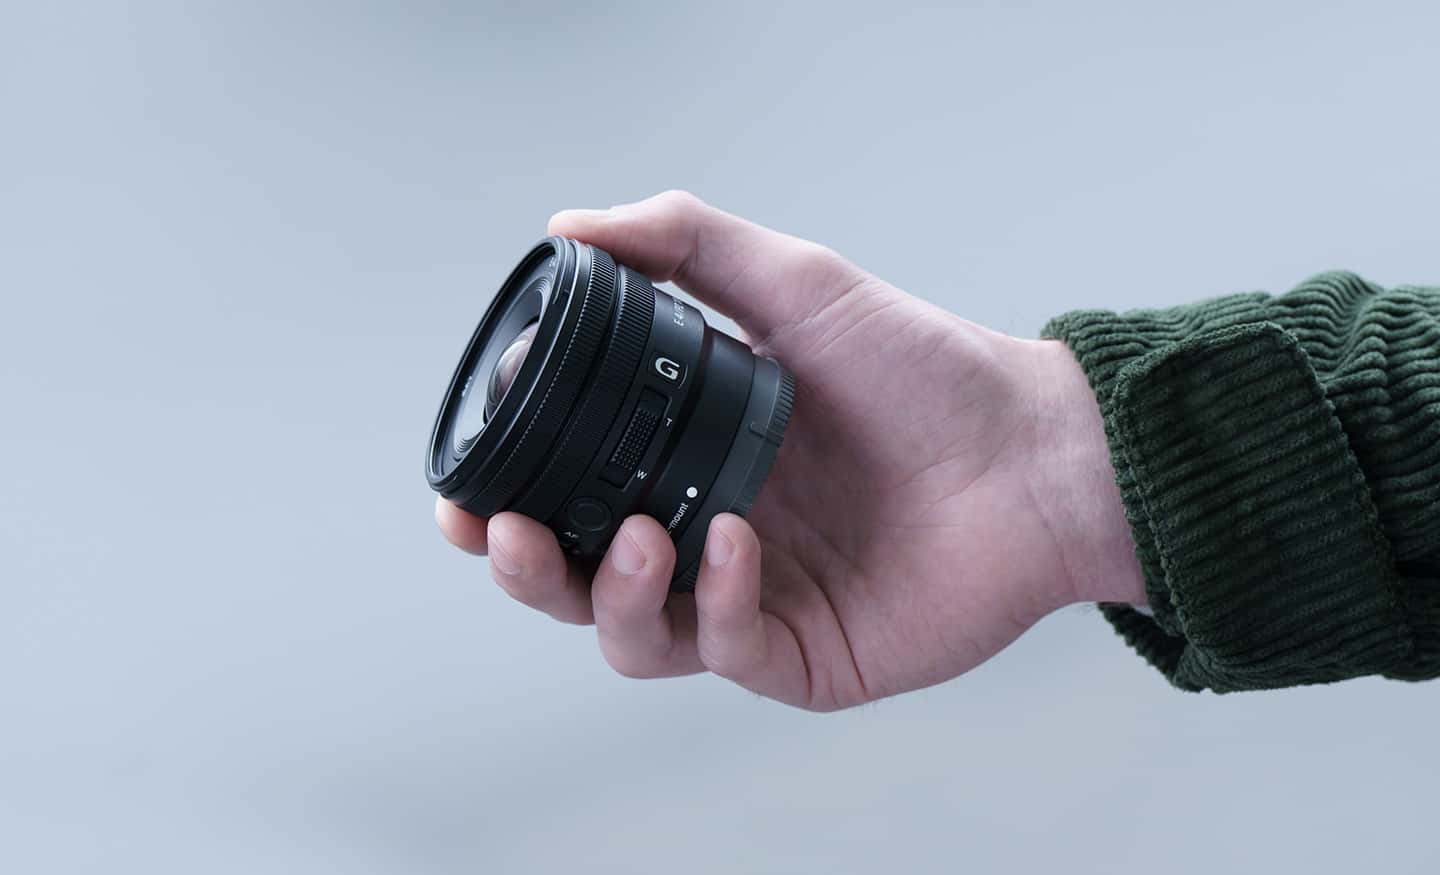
point(762, 279)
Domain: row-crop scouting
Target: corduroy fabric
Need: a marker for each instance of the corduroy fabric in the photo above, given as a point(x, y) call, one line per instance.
point(1279, 460)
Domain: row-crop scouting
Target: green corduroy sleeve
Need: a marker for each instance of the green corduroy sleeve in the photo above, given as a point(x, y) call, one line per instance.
point(1279, 460)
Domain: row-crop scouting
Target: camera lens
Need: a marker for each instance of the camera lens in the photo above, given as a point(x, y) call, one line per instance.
point(586, 395)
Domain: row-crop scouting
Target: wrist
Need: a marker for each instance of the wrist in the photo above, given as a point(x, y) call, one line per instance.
point(1073, 480)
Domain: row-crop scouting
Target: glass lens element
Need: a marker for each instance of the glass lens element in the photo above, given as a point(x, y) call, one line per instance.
point(507, 367)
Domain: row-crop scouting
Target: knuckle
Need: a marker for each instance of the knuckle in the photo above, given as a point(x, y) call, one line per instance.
point(527, 590)
point(678, 203)
point(575, 616)
point(634, 673)
point(530, 584)
point(819, 257)
point(630, 667)
point(631, 661)
point(732, 663)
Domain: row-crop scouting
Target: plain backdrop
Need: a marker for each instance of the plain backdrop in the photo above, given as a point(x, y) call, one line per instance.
point(241, 246)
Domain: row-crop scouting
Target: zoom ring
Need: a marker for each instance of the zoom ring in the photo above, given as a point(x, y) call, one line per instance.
point(559, 398)
point(600, 405)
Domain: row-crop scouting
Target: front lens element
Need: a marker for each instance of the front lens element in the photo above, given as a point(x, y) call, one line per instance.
point(496, 368)
point(503, 375)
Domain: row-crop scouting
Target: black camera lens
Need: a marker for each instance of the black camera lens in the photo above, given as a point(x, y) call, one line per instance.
point(587, 395)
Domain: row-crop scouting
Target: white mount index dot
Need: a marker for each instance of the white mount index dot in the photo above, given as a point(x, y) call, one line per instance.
point(692, 492)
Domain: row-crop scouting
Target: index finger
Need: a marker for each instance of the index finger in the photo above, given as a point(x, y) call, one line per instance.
point(735, 266)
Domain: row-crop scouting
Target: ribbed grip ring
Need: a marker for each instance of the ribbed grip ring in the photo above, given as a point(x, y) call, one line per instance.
point(774, 434)
point(600, 404)
point(575, 362)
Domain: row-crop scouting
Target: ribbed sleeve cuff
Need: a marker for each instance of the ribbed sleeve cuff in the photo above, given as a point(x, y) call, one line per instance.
point(1264, 560)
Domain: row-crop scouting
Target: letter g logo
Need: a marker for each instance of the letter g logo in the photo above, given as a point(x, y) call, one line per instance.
point(668, 369)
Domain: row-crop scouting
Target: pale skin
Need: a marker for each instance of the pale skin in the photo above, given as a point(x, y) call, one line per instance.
point(941, 487)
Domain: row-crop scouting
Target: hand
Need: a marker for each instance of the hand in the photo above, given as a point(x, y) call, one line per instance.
point(940, 489)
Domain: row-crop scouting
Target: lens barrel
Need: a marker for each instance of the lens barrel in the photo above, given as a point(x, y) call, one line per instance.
point(626, 402)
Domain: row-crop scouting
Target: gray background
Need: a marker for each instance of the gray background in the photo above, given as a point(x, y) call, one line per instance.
point(242, 244)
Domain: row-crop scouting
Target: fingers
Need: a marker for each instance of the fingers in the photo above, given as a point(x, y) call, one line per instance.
point(734, 638)
point(528, 564)
point(464, 530)
point(761, 278)
point(643, 631)
point(639, 634)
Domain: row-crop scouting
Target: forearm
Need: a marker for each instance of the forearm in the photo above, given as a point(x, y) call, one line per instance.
point(1279, 463)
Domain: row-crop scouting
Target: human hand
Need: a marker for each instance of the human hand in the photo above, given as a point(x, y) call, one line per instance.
point(941, 486)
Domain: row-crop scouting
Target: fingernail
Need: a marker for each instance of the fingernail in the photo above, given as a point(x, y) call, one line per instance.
point(626, 556)
point(503, 561)
point(718, 549)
